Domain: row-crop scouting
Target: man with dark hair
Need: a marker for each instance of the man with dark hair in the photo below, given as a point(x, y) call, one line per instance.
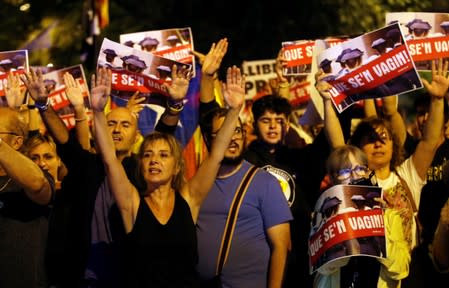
point(260, 242)
point(300, 171)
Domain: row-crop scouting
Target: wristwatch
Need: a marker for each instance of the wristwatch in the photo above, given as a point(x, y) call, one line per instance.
point(175, 106)
point(42, 107)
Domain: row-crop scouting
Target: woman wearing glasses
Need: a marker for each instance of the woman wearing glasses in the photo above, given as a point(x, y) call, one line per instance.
point(401, 180)
point(349, 165)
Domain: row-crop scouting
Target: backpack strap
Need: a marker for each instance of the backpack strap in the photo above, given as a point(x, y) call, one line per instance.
point(232, 218)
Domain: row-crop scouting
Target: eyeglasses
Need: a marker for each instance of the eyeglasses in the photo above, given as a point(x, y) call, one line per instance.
point(359, 170)
point(237, 131)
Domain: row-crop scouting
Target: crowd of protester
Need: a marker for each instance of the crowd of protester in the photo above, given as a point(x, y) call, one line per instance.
point(79, 208)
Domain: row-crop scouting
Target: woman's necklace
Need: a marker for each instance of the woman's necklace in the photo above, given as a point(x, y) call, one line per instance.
point(6, 184)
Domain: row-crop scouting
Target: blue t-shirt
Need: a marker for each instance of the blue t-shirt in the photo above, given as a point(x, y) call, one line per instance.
point(263, 206)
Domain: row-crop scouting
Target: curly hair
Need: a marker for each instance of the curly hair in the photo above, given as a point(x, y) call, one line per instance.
point(272, 103)
point(366, 130)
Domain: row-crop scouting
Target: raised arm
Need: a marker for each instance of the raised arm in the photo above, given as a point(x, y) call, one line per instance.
point(75, 96)
point(211, 64)
point(200, 184)
point(25, 172)
point(332, 126)
point(391, 113)
point(14, 93)
point(178, 90)
point(369, 108)
point(283, 88)
point(427, 146)
point(125, 194)
point(35, 84)
point(15, 96)
point(134, 104)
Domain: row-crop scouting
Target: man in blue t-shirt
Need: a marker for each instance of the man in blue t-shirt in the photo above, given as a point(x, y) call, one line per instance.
point(261, 240)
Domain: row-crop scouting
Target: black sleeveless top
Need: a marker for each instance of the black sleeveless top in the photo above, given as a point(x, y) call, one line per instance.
point(157, 255)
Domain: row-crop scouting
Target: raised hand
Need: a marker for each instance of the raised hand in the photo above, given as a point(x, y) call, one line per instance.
point(212, 61)
point(281, 62)
point(234, 88)
point(200, 56)
point(13, 92)
point(73, 90)
point(134, 104)
point(440, 80)
point(180, 83)
point(100, 89)
point(323, 87)
point(34, 81)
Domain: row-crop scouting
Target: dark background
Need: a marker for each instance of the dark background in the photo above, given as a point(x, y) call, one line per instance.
point(254, 28)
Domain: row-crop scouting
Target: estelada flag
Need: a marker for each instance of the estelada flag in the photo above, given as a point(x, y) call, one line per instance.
point(102, 10)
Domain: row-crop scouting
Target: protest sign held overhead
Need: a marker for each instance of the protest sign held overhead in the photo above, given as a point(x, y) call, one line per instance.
point(347, 221)
point(261, 79)
point(299, 55)
point(135, 70)
point(426, 35)
point(175, 44)
point(368, 67)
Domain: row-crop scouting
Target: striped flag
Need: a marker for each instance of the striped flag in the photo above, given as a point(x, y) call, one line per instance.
point(102, 12)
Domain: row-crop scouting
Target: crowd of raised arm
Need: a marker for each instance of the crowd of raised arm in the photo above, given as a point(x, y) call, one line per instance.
point(101, 205)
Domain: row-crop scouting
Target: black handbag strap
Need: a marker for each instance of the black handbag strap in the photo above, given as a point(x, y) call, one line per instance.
point(232, 218)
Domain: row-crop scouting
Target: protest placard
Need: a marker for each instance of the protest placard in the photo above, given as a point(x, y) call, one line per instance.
point(261, 80)
point(426, 34)
point(368, 67)
point(175, 44)
point(299, 55)
point(135, 70)
point(347, 221)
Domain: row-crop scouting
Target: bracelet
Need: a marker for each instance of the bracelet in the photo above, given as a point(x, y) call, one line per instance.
point(175, 105)
point(42, 107)
point(80, 119)
point(174, 111)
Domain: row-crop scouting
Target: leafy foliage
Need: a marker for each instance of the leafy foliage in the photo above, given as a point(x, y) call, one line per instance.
point(255, 29)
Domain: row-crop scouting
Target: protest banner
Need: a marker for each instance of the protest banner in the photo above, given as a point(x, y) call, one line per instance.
point(11, 61)
point(426, 34)
point(261, 80)
point(366, 67)
point(54, 83)
point(175, 44)
point(347, 221)
point(299, 55)
point(259, 74)
point(135, 70)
